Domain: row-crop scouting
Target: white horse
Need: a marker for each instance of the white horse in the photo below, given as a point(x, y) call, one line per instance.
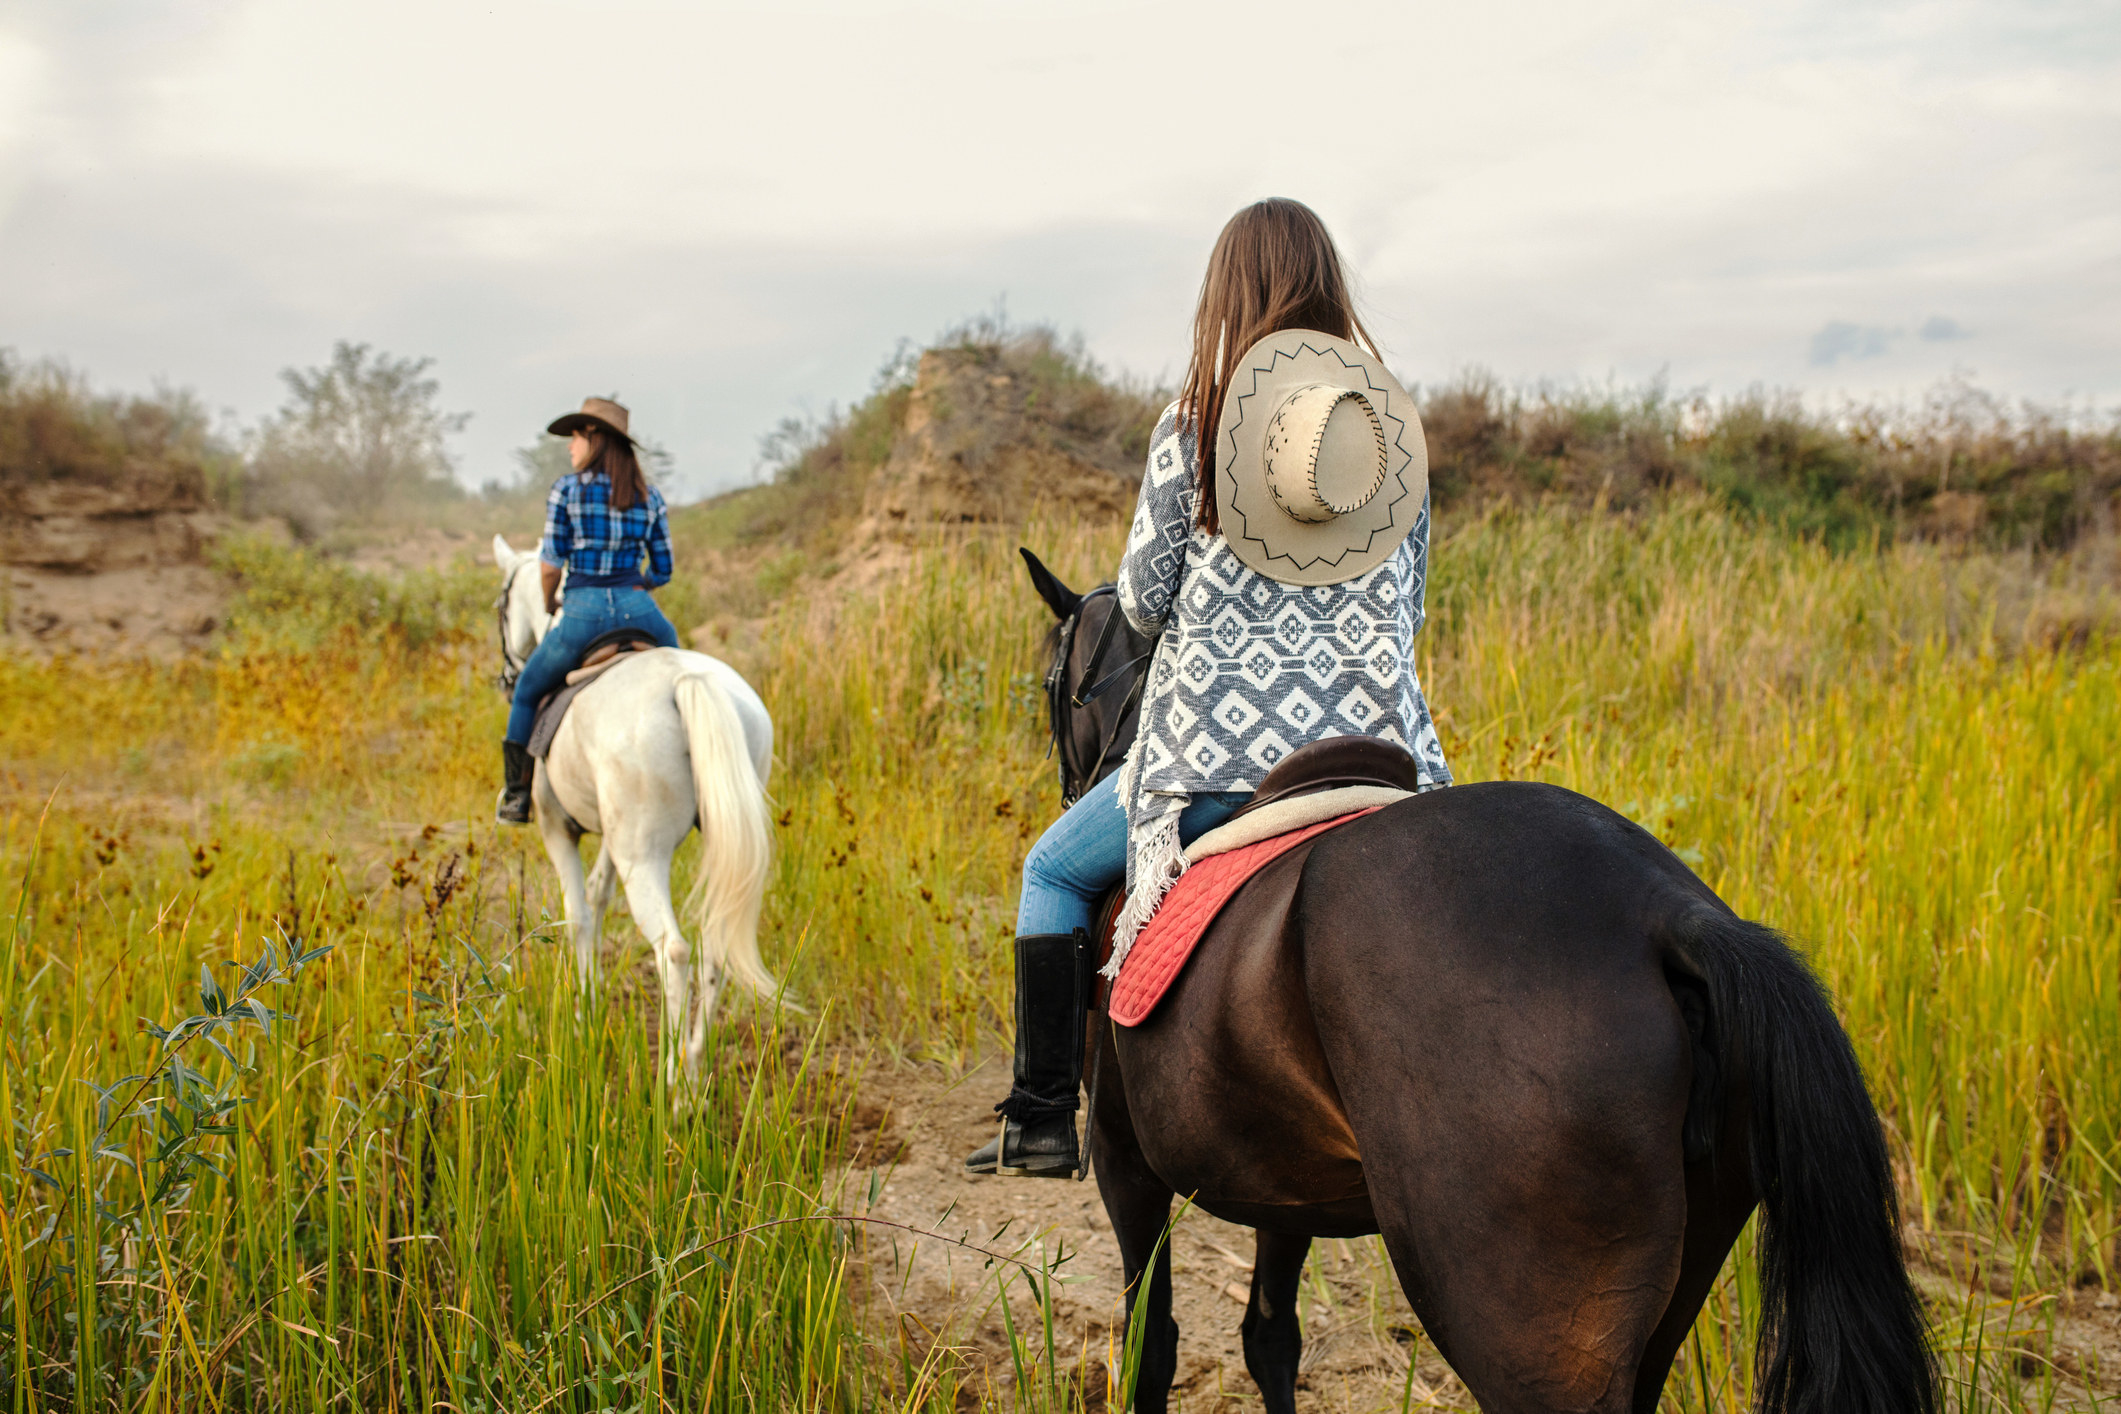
point(665, 739)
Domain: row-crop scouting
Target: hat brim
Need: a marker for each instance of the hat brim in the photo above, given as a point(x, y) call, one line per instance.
point(1260, 533)
point(575, 422)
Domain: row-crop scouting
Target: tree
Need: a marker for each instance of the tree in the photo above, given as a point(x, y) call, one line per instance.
point(542, 463)
point(362, 434)
point(545, 461)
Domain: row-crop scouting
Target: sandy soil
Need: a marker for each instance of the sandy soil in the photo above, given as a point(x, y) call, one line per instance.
point(162, 610)
point(171, 609)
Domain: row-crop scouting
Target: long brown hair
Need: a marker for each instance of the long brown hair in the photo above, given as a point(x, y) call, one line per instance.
point(616, 458)
point(1274, 267)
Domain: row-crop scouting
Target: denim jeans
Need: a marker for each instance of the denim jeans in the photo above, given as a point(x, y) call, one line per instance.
point(587, 614)
point(1083, 854)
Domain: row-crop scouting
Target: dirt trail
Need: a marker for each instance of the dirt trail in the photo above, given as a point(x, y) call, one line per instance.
point(918, 1123)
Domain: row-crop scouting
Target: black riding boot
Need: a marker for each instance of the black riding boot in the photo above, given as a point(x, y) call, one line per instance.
point(1037, 1138)
point(517, 767)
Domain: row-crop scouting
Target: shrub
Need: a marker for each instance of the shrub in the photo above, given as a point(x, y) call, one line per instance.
point(159, 449)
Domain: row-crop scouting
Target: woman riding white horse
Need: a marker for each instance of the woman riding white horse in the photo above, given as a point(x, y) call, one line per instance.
point(599, 521)
point(661, 741)
point(1279, 558)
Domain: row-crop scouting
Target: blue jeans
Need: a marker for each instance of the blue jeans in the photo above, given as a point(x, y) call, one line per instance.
point(1083, 855)
point(587, 614)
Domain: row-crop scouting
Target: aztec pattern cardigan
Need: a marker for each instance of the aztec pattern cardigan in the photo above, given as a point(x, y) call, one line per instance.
point(1246, 669)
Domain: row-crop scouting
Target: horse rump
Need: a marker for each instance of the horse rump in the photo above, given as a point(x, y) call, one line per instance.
point(1842, 1328)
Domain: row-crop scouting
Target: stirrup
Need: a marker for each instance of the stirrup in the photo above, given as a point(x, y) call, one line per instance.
point(502, 815)
point(1002, 1168)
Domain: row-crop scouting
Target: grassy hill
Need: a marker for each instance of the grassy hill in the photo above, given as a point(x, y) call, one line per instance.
point(1964, 468)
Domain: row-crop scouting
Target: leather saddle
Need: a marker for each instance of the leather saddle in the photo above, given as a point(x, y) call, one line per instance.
point(605, 648)
point(1333, 763)
point(603, 651)
point(1315, 766)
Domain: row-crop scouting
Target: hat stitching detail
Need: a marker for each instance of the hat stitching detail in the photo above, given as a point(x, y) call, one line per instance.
point(1259, 371)
point(1318, 439)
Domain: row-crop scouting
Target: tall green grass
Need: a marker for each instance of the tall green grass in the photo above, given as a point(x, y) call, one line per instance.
point(437, 1181)
point(443, 1187)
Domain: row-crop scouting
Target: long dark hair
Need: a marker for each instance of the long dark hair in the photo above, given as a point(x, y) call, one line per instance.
point(616, 458)
point(1274, 267)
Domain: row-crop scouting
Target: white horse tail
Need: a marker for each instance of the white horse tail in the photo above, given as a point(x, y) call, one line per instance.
point(736, 835)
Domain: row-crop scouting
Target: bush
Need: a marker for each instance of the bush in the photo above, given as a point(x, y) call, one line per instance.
point(295, 597)
point(159, 450)
point(1962, 467)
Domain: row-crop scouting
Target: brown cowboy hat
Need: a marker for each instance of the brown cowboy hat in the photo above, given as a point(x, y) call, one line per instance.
point(597, 414)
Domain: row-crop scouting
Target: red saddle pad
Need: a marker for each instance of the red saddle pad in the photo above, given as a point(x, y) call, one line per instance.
point(1161, 948)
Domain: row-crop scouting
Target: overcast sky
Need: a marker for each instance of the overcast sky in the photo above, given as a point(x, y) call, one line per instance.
point(729, 215)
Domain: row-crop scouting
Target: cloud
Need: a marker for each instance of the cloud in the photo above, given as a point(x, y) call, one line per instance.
point(210, 190)
point(710, 343)
point(1841, 339)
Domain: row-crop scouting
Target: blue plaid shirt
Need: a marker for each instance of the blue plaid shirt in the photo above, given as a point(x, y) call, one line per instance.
point(601, 547)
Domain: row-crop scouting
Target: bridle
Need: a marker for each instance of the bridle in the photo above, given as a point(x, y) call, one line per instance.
point(1060, 705)
point(1060, 702)
point(510, 668)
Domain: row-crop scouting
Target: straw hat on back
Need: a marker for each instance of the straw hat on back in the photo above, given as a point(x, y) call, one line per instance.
point(1321, 466)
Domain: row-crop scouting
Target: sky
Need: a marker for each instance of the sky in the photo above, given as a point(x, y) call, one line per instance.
point(731, 215)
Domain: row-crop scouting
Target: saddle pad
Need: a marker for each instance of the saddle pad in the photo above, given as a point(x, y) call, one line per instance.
point(546, 724)
point(1160, 951)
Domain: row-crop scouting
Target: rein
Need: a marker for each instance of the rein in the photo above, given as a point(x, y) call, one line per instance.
point(1097, 656)
point(1060, 701)
point(511, 670)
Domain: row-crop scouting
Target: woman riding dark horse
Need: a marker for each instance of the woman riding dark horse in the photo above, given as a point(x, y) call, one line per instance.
point(1500, 1025)
point(1299, 627)
point(600, 520)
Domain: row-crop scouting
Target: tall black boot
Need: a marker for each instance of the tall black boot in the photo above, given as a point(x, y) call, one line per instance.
point(517, 768)
point(1037, 1138)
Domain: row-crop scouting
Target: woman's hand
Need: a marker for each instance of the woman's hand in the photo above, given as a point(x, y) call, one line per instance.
point(549, 577)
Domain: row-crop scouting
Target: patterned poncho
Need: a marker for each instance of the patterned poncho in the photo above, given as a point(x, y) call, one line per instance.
point(1246, 669)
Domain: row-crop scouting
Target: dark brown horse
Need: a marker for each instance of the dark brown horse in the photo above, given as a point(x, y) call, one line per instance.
point(1505, 1027)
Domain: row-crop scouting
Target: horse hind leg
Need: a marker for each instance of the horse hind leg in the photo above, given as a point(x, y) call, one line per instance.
point(1274, 1340)
point(566, 856)
point(1542, 1247)
point(647, 883)
point(603, 881)
point(1719, 1200)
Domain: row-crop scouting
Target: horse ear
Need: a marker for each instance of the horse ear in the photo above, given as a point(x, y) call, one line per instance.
point(1062, 600)
point(504, 555)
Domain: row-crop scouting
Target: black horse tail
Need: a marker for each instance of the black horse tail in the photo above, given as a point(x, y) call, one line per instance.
point(1842, 1329)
